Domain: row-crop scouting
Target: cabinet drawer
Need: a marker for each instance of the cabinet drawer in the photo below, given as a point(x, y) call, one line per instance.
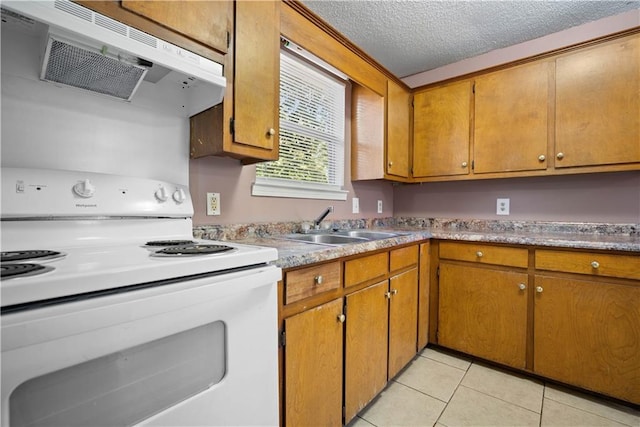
point(306, 282)
point(485, 254)
point(401, 258)
point(366, 268)
point(597, 264)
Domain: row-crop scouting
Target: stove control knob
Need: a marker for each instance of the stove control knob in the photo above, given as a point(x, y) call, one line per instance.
point(179, 196)
point(84, 189)
point(162, 194)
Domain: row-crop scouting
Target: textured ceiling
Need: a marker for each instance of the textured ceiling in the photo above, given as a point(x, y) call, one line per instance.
point(408, 37)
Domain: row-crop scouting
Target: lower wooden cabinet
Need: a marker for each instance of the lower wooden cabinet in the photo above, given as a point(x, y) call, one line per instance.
point(588, 334)
point(348, 327)
point(313, 366)
point(568, 315)
point(366, 344)
point(483, 312)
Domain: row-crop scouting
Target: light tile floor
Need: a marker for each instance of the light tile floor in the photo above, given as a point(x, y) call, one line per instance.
point(445, 390)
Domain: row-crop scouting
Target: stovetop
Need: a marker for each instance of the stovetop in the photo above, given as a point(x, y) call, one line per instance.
point(85, 268)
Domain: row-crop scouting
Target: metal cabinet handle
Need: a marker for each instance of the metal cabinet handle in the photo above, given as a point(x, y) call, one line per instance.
point(390, 164)
point(318, 280)
point(271, 132)
point(342, 318)
point(542, 157)
point(387, 295)
point(522, 286)
point(394, 291)
point(539, 289)
point(595, 264)
point(479, 254)
point(560, 156)
point(464, 164)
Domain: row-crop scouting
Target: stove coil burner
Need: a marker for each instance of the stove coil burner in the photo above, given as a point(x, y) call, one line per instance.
point(191, 250)
point(170, 242)
point(40, 255)
point(22, 269)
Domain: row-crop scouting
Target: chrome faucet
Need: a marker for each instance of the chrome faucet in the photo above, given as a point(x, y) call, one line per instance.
point(323, 215)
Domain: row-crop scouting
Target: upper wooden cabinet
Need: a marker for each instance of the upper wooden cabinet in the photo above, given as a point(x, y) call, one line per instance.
point(246, 126)
point(598, 105)
point(511, 119)
point(441, 122)
point(380, 133)
point(575, 112)
point(203, 21)
point(398, 103)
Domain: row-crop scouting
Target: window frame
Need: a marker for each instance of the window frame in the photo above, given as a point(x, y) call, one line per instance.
point(277, 187)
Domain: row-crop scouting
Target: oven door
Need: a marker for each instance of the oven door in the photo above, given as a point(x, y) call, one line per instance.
point(197, 352)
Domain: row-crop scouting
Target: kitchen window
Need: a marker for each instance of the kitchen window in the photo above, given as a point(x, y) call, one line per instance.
point(312, 132)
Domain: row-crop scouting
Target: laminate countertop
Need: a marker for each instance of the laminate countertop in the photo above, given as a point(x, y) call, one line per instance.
point(293, 254)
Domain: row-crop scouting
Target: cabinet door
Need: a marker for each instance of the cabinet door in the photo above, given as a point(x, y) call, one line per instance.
point(365, 347)
point(256, 80)
point(441, 131)
point(313, 366)
point(367, 133)
point(204, 21)
point(423, 295)
point(397, 130)
point(403, 320)
point(598, 105)
point(483, 312)
point(588, 334)
point(511, 124)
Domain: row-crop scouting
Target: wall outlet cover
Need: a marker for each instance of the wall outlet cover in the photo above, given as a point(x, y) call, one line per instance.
point(356, 205)
point(502, 207)
point(379, 206)
point(213, 203)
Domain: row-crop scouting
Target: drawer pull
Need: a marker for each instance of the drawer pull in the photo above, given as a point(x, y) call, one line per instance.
point(522, 286)
point(318, 280)
point(539, 289)
point(595, 264)
point(464, 164)
point(542, 158)
point(560, 156)
point(479, 254)
point(342, 318)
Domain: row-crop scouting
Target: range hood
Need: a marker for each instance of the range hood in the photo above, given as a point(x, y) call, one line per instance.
point(87, 50)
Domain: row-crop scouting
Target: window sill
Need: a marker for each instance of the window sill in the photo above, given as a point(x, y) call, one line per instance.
point(297, 190)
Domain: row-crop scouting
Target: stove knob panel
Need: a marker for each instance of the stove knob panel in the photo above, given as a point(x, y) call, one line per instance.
point(179, 196)
point(162, 194)
point(84, 189)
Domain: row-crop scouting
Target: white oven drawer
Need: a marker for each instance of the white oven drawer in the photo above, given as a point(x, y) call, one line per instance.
point(192, 353)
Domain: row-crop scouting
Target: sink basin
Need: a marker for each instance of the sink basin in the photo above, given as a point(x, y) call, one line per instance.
point(330, 239)
point(370, 235)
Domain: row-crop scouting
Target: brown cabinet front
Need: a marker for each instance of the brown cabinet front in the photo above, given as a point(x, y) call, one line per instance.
point(511, 119)
point(441, 131)
point(598, 105)
point(204, 21)
point(313, 366)
point(483, 312)
point(403, 320)
point(367, 331)
point(588, 334)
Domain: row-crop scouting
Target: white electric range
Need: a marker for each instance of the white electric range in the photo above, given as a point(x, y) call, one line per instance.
point(122, 317)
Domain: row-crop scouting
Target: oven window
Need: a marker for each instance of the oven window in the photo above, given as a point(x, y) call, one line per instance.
point(126, 387)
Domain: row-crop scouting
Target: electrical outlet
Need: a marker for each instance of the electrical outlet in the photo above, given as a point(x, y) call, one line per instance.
point(213, 203)
point(355, 205)
point(502, 207)
point(379, 206)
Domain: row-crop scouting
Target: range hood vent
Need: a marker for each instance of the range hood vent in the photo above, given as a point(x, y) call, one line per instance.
point(72, 65)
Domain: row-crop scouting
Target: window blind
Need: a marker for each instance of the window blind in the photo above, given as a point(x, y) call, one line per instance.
point(312, 115)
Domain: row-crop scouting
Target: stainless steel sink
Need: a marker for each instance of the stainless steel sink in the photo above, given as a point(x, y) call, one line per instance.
point(330, 239)
point(369, 235)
